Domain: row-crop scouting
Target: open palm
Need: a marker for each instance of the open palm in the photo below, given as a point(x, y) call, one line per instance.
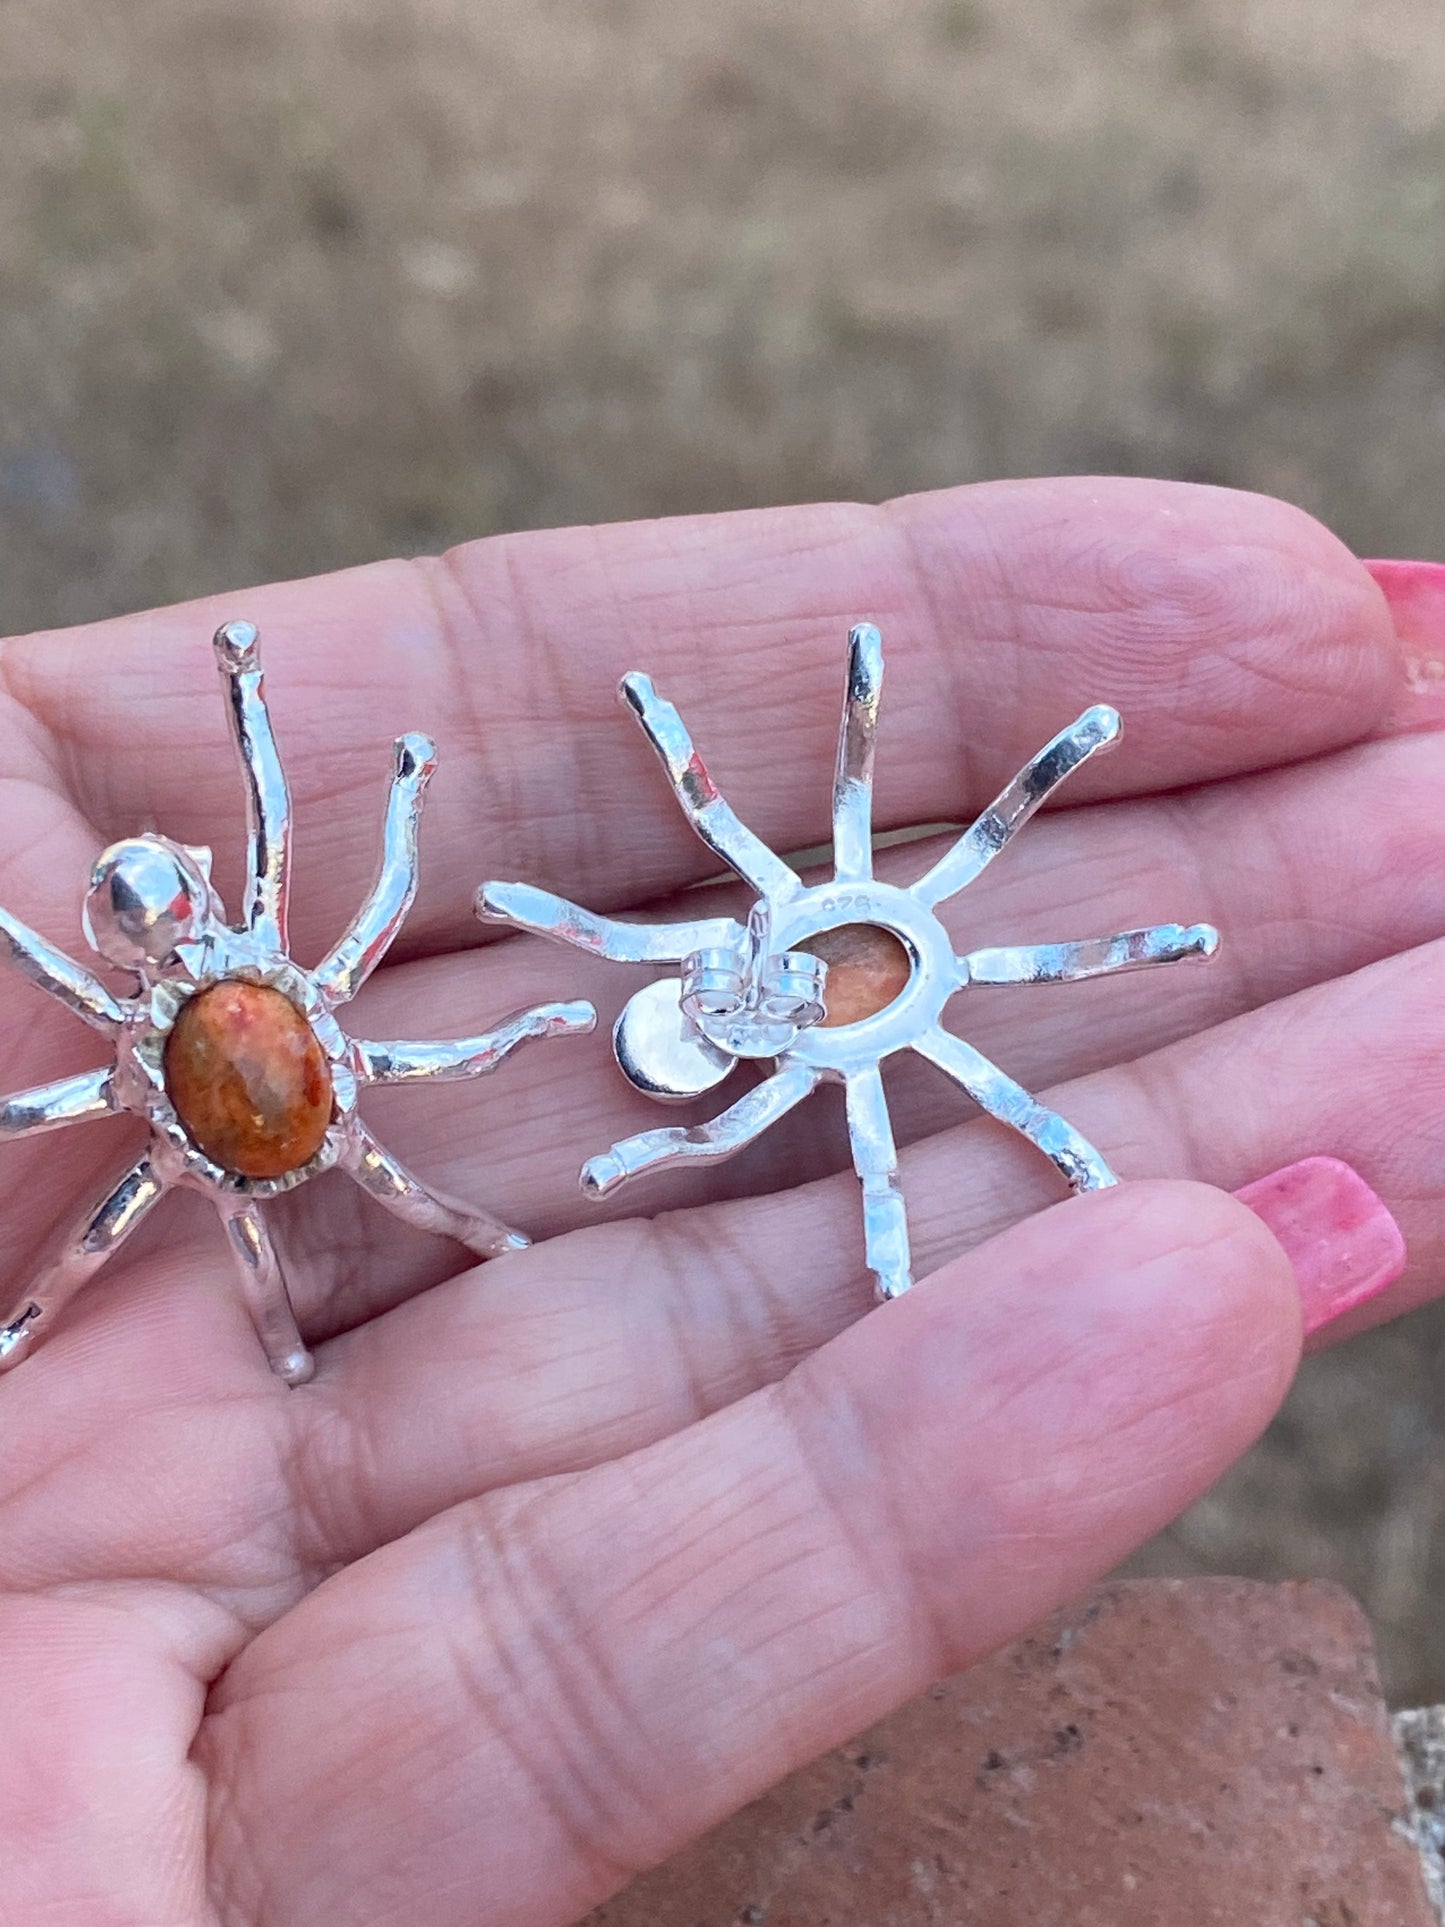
point(560, 1559)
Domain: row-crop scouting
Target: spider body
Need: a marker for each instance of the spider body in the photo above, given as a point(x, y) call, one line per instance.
point(759, 990)
point(231, 1051)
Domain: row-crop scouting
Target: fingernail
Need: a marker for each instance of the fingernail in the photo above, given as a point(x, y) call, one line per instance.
point(1339, 1234)
point(1415, 592)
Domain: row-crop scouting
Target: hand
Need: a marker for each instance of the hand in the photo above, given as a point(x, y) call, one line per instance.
point(560, 1559)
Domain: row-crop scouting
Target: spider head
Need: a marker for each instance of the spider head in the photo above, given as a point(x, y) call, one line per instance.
point(147, 895)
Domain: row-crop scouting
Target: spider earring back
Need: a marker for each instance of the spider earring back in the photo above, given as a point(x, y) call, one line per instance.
point(822, 982)
point(231, 1051)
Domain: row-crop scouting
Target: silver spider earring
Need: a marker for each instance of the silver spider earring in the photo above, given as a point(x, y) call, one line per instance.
point(230, 1050)
point(765, 989)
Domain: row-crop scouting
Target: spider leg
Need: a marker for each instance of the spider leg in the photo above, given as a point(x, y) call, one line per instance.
point(548, 916)
point(450, 1062)
point(853, 783)
point(268, 800)
point(67, 981)
point(50, 1107)
point(264, 1288)
point(96, 1240)
point(1062, 963)
point(382, 915)
point(709, 1143)
point(875, 1159)
point(1076, 1160)
point(705, 808)
point(1097, 729)
point(406, 1197)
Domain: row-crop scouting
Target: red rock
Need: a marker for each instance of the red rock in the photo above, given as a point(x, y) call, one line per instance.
point(867, 968)
point(248, 1080)
point(1209, 1753)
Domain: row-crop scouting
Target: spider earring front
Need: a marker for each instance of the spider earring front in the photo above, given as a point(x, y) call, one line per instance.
point(767, 990)
point(230, 1050)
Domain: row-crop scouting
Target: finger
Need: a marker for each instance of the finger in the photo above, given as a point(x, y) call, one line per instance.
point(53, 844)
point(1302, 897)
point(537, 1695)
point(1232, 630)
point(601, 1342)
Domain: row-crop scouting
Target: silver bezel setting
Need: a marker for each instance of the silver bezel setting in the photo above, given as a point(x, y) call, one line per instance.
point(177, 1155)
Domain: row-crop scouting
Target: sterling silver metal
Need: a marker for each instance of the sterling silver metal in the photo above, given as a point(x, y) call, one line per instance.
point(152, 911)
point(748, 990)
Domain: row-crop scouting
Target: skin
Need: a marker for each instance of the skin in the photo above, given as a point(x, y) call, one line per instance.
point(560, 1560)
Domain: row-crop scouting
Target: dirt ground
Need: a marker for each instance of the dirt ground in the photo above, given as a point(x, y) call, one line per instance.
point(286, 286)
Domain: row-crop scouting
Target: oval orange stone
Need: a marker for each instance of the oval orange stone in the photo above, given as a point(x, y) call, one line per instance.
point(248, 1080)
point(867, 968)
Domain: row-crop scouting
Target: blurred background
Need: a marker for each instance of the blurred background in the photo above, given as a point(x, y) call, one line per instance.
point(288, 284)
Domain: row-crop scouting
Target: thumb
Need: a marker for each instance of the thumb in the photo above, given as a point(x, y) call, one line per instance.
point(645, 1646)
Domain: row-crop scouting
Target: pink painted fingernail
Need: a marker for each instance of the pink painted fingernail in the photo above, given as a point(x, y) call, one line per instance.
point(1339, 1235)
point(1415, 592)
